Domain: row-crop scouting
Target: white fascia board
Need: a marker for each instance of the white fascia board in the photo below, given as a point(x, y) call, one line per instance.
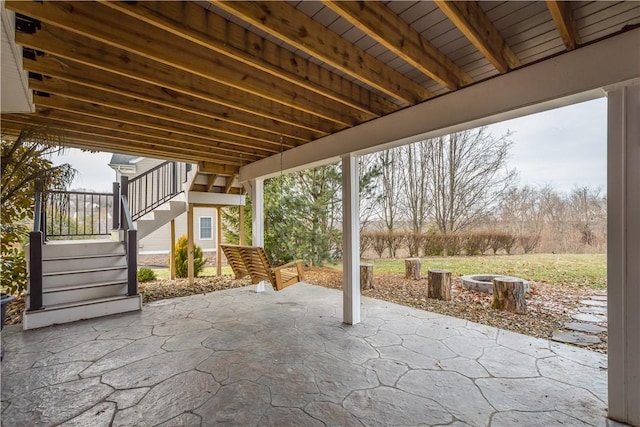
point(218, 199)
point(566, 79)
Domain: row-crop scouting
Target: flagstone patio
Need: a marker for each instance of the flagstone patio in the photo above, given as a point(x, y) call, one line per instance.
point(240, 358)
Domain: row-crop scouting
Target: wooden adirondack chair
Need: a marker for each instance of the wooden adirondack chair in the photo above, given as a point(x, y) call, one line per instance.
point(252, 261)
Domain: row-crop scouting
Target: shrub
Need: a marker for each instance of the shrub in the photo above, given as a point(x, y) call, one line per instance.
point(477, 243)
point(145, 274)
point(414, 241)
point(379, 242)
point(14, 272)
point(432, 244)
point(181, 259)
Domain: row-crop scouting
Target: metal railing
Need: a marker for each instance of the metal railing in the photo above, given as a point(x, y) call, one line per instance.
point(154, 187)
point(78, 213)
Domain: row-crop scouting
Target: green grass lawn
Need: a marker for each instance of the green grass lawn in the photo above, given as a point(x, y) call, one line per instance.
point(577, 269)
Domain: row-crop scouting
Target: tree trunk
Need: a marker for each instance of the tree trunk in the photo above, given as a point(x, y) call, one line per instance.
point(366, 276)
point(412, 268)
point(508, 294)
point(439, 285)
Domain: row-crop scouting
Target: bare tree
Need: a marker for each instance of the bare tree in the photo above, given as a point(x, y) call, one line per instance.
point(390, 176)
point(468, 176)
point(415, 159)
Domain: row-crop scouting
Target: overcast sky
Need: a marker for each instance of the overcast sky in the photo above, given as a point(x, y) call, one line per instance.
point(563, 148)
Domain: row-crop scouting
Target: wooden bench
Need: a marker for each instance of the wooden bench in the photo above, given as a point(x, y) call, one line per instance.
point(252, 261)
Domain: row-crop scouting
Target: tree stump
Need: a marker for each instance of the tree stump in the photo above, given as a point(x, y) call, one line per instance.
point(366, 276)
point(412, 268)
point(508, 294)
point(439, 285)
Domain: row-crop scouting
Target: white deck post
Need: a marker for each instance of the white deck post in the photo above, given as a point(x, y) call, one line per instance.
point(623, 253)
point(257, 218)
point(350, 240)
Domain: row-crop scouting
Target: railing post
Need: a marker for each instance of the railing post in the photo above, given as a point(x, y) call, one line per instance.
point(124, 191)
point(174, 178)
point(116, 206)
point(35, 270)
point(132, 267)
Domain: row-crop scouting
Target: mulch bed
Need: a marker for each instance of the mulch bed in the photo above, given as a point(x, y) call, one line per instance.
point(548, 306)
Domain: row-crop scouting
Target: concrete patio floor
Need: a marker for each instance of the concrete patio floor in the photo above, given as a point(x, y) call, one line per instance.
point(240, 358)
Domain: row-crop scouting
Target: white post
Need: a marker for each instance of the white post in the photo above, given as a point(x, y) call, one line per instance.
point(623, 253)
point(350, 240)
point(257, 218)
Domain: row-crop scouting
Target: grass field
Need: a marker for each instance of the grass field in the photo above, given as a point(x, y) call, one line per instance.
point(578, 269)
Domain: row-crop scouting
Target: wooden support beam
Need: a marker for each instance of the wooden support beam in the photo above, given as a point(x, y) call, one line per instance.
point(147, 134)
point(190, 244)
point(210, 118)
point(67, 45)
point(384, 26)
point(199, 25)
point(101, 23)
point(294, 27)
point(172, 251)
point(217, 168)
point(230, 180)
point(561, 13)
point(211, 180)
point(138, 139)
point(112, 142)
point(218, 241)
point(471, 20)
point(59, 105)
point(241, 229)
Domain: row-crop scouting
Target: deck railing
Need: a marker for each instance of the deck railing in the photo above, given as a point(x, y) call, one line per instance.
point(78, 213)
point(154, 187)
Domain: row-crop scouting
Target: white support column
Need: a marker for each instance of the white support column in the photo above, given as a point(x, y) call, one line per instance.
point(257, 218)
point(350, 240)
point(623, 253)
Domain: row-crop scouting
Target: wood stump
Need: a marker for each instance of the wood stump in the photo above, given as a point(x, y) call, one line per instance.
point(439, 286)
point(366, 276)
point(508, 294)
point(412, 268)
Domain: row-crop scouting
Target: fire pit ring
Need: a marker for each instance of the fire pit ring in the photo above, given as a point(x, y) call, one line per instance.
point(484, 282)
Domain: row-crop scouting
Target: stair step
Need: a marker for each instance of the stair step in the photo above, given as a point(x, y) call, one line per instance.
point(84, 277)
point(79, 293)
point(86, 270)
point(72, 248)
point(71, 312)
point(59, 264)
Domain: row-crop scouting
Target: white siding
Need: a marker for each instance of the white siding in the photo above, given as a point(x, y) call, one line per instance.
point(160, 240)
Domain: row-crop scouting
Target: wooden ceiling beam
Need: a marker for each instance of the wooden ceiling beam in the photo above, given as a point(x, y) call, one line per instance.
point(97, 111)
point(294, 27)
point(225, 120)
point(145, 132)
point(101, 142)
point(109, 26)
point(381, 24)
point(134, 139)
point(211, 180)
point(230, 180)
point(66, 45)
point(199, 25)
point(561, 13)
point(77, 93)
point(206, 166)
point(471, 20)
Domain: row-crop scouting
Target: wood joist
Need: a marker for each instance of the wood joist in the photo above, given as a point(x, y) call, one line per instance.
point(196, 84)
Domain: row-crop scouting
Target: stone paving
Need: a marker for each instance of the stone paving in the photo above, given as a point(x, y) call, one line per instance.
point(590, 320)
point(239, 358)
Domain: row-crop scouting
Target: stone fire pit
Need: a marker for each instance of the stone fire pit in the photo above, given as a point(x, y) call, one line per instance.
point(484, 282)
